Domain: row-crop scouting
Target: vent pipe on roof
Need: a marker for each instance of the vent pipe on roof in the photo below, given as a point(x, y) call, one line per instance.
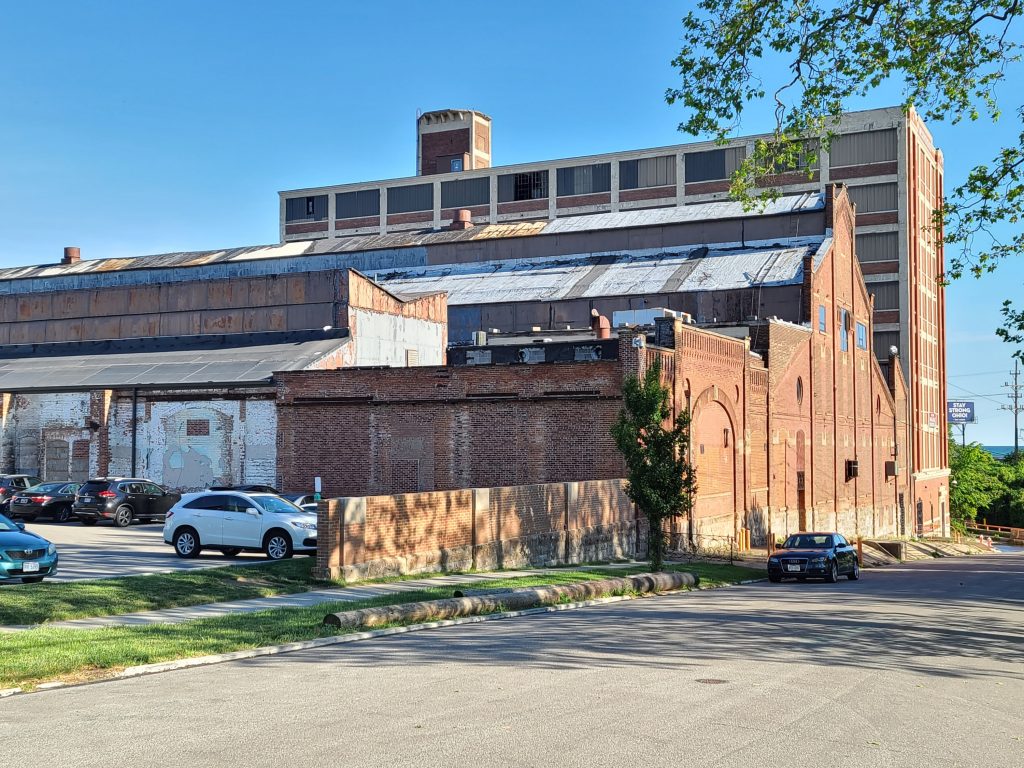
point(599, 325)
point(72, 255)
point(463, 219)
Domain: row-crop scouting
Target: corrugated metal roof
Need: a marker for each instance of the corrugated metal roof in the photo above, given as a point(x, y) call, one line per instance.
point(357, 243)
point(723, 267)
point(47, 367)
point(653, 217)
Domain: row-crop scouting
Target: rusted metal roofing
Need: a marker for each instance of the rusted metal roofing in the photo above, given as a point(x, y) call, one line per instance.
point(395, 240)
point(716, 268)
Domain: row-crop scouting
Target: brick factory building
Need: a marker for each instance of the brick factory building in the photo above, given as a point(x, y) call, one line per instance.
point(220, 365)
point(795, 423)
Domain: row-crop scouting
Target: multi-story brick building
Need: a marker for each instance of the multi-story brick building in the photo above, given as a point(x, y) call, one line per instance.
point(886, 157)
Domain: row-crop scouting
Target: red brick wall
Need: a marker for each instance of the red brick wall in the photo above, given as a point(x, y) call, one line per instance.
point(369, 432)
point(441, 144)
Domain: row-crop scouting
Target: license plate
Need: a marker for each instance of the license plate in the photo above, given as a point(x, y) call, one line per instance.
point(85, 499)
point(30, 568)
point(792, 567)
point(21, 501)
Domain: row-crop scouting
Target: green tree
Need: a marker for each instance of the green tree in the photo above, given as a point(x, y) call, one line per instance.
point(662, 481)
point(810, 58)
point(976, 483)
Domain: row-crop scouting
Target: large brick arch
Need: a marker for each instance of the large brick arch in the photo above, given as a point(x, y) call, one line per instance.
point(715, 445)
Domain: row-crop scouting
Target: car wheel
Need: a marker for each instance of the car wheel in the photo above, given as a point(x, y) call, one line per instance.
point(31, 579)
point(186, 543)
point(855, 573)
point(231, 551)
point(774, 579)
point(123, 516)
point(62, 513)
point(278, 545)
point(87, 521)
point(833, 573)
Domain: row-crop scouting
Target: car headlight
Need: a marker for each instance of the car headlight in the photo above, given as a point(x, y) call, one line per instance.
point(51, 550)
point(773, 560)
point(818, 560)
point(305, 526)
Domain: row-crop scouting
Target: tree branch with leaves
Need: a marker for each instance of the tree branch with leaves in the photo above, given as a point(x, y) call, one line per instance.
point(662, 482)
point(948, 57)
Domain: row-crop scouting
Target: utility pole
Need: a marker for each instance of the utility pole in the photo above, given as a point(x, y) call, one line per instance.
point(1016, 409)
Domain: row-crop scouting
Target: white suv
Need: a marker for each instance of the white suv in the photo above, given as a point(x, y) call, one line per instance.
point(232, 521)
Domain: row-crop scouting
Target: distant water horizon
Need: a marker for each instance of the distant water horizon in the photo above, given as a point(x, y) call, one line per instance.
point(999, 451)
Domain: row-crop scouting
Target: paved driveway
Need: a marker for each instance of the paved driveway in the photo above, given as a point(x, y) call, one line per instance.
point(103, 551)
point(917, 666)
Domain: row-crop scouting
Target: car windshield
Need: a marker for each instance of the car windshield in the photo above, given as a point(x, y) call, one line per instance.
point(277, 505)
point(808, 541)
point(45, 488)
point(6, 526)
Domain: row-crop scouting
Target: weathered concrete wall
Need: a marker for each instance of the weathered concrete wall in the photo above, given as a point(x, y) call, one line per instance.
point(185, 442)
point(383, 339)
point(484, 528)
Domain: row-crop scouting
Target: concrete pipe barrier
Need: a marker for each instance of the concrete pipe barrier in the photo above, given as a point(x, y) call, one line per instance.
point(513, 600)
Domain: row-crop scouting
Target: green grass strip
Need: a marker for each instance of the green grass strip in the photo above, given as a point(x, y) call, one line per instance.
point(50, 653)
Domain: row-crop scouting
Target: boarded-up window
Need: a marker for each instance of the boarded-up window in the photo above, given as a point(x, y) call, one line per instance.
point(417, 197)
point(648, 172)
point(465, 192)
point(874, 198)
point(584, 179)
point(310, 208)
point(351, 205)
point(878, 246)
point(197, 427)
point(863, 148)
point(887, 294)
point(884, 340)
point(412, 357)
point(714, 165)
point(531, 185)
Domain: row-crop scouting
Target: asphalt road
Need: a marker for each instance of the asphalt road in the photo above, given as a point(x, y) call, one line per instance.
point(919, 665)
point(104, 551)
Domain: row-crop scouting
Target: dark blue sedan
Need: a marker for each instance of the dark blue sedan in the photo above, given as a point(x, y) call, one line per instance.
point(814, 555)
point(24, 556)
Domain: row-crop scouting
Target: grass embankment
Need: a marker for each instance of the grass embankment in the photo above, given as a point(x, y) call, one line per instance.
point(37, 655)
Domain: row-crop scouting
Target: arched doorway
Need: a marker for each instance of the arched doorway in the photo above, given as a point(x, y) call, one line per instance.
point(713, 447)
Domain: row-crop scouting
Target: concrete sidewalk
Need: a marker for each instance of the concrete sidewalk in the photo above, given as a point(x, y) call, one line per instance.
point(298, 600)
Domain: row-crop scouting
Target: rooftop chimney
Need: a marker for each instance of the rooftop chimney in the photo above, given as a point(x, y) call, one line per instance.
point(599, 325)
point(463, 219)
point(72, 255)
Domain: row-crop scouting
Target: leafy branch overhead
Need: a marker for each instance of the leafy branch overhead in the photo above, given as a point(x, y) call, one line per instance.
point(812, 58)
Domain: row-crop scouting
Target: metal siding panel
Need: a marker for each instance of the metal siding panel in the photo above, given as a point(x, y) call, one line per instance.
point(465, 192)
point(878, 246)
point(863, 148)
point(874, 198)
point(887, 294)
point(706, 166)
point(412, 198)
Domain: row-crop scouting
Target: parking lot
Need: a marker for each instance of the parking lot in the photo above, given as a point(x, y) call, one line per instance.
point(105, 551)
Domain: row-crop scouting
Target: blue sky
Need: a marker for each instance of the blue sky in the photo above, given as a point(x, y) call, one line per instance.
point(135, 128)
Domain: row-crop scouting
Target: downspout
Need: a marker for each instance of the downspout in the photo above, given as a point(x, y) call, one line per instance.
point(135, 425)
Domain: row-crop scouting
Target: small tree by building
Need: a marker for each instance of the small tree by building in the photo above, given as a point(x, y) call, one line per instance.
point(662, 482)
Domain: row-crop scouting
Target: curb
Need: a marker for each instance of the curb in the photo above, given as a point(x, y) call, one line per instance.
point(301, 645)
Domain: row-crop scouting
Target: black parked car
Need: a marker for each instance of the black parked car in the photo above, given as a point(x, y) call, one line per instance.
point(816, 555)
point(122, 500)
point(53, 500)
point(11, 484)
point(247, 488)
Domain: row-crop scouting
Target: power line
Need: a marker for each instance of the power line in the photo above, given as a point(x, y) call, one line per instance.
point(990, 398)
point(964, 375)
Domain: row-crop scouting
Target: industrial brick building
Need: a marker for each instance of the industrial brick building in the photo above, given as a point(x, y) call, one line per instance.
point(110, 372)
point(795, 423)
point(324, 355)
point(886, 157)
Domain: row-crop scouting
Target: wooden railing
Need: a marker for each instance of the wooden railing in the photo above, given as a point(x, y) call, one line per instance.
point(1001, 530)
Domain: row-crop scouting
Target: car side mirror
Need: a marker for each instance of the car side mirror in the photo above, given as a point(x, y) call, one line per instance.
point(252, 511)
point(21, 526)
